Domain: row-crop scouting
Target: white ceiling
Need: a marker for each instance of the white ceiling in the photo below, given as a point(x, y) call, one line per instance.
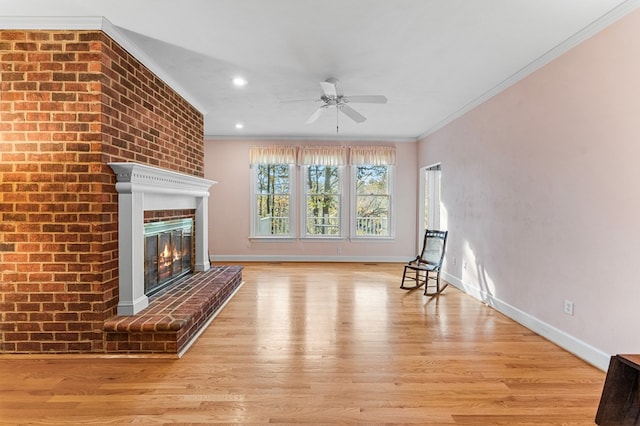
point(433, 59)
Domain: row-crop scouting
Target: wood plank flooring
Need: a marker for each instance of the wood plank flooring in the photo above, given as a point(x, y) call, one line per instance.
point(321, 344)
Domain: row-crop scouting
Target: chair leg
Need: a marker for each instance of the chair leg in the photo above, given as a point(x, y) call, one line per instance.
point(404, 276)
point(419, 280)
point(426, 284)
point(416, 278)
point(438, 289)
point(444, 286)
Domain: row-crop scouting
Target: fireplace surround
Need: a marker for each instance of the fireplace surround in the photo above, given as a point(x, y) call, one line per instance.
point(143, 188)
point(169, 320)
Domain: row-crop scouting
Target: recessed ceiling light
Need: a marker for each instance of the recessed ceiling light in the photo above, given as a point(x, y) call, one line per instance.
point(239, 82)
point(239, 126)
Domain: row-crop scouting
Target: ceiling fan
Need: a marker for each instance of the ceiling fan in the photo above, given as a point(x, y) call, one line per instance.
point(332, 96)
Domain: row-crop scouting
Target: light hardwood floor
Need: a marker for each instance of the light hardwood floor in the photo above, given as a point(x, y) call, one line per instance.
point(327, 344)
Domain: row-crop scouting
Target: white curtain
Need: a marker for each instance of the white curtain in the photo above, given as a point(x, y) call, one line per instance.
point(276, 154)
point(373, 155)
point(322, 155)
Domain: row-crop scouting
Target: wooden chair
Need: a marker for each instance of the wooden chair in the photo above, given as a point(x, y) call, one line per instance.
point(427, 263)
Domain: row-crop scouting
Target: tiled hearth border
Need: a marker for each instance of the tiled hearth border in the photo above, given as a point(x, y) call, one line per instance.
point(175, 316)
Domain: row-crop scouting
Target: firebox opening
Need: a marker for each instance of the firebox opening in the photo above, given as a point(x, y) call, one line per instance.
point(167, 253)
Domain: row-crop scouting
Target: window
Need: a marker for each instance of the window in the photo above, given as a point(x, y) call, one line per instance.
point(372, 187)
point(317, 207)
point(372, 201)
point(273, 199)
point(272, 214)
point(322, 204)
point(323, 201)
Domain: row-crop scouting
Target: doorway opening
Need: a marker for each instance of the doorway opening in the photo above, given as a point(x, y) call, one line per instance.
point(429, 209)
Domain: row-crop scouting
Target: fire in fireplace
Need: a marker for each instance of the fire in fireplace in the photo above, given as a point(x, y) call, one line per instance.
point(167, 253)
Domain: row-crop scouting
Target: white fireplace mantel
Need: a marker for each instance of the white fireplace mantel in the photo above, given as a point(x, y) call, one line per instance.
point(142, 188)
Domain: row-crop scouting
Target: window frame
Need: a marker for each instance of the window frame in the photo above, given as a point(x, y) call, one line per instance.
point(254, 216)
point(354, 203)
point(304, 171)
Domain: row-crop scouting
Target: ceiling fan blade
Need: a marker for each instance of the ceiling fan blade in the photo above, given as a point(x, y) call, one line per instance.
point(313, 117)
point(329, 88)
point(352, 113)
point(367, 99)
point(334, 81)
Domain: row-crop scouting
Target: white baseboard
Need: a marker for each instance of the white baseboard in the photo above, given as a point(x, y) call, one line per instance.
point(281, 258)
point(582, 350)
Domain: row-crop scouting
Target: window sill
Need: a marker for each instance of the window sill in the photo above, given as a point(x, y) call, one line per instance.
point(364, 239)
point(273, 238)
point(323, 238)
point(361, 239)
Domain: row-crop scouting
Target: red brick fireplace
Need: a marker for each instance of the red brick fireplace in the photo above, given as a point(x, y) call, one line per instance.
point(71, 102)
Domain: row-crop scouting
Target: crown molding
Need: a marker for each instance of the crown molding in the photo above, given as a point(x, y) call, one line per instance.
point(609, 18)
point(90, 23)
point(309, 138)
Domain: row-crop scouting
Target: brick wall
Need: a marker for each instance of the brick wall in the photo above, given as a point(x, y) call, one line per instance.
point(70, 102)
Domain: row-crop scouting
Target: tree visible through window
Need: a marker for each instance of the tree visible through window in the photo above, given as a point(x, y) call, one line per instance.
point(372, 200)
point(273, 199)
point(322, 200)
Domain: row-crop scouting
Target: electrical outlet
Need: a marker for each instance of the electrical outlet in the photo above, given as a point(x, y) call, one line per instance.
point(339, 250)
point(454, 260)
point(464, 264)
point(568, 307)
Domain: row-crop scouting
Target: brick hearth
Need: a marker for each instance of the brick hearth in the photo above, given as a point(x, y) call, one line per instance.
point(175, 316)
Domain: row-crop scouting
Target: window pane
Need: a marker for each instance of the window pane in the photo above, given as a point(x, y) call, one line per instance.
point(372, 215)
point(322, 203)
point(322, 180)
point(273, 179)
point(272, 200)
point(371, 180)
point(273, 214)
point(323, 216)
point(372, 201)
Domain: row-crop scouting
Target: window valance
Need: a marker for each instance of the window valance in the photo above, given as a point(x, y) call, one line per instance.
point(372, 155)
point(276, 154)
point(322, 155)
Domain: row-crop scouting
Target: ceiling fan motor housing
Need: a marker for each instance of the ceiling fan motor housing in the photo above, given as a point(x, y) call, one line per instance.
point(334, 100)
